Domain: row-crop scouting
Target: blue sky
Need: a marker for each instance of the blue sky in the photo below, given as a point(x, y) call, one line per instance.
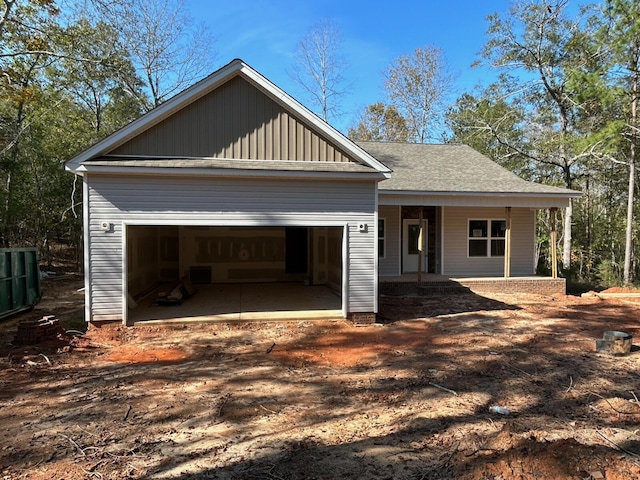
point(265, 33)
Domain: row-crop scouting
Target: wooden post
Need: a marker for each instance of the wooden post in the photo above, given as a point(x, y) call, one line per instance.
point(507, 244)
point(420, 240)
point(554, 244)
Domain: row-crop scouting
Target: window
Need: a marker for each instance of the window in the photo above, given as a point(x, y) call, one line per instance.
point(413, 244)
point(486, 238)
point(381, 242)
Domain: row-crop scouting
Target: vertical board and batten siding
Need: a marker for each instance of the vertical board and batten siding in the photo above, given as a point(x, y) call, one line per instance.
point(455, 248)
point(149, 200)
point(235, 121)
point(389, 265)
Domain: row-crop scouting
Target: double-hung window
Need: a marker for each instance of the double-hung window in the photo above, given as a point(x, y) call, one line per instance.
point(486, 238)
point(381, 242)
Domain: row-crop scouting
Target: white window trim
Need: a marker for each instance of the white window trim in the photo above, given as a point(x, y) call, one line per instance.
point(488, 238)
point(383, 253)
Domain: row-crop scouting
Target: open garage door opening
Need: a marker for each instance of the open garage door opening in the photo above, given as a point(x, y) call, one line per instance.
point(195, 273)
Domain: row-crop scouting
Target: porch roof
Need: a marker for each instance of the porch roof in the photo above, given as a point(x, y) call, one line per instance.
point(450, 169)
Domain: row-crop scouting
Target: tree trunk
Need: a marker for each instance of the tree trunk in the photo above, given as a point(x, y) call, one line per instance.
point(566, 246)
point(568, 183)
point(12, 168)
point(6, 230)
point(587, 214)
point(628, 250)
point(629, 233)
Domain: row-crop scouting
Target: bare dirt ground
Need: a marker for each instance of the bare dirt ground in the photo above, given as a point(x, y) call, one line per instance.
point(405, 399)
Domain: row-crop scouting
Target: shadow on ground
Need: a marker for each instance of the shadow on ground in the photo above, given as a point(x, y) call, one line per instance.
point(406, 400)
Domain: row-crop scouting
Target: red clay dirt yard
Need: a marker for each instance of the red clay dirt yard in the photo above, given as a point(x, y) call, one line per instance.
point(408, 398)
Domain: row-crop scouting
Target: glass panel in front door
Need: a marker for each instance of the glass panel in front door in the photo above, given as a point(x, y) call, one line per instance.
point(413, 237)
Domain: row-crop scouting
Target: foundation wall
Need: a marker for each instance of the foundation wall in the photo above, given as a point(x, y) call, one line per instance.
point(538, 286)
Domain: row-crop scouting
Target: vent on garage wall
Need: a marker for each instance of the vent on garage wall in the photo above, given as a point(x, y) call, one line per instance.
point(200, 275)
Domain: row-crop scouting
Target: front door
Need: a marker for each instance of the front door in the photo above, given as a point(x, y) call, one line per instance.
point(411, 250)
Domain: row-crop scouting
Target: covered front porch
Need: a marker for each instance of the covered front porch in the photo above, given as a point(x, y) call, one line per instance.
point(482, 248)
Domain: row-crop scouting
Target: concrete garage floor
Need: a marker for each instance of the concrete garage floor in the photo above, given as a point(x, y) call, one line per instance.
point(243, 302)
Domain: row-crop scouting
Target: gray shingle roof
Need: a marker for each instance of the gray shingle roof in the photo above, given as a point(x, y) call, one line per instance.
point(220, 163)
point(449, 168)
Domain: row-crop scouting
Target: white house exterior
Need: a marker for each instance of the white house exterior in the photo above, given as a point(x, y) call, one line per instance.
point(455, 187)
point(233, 181)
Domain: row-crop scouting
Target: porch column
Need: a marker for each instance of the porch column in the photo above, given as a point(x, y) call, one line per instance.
point(507, 244)
point(420, 241)
point(554, 244)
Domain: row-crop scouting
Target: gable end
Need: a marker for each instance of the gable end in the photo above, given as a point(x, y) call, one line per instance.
point(234, 121)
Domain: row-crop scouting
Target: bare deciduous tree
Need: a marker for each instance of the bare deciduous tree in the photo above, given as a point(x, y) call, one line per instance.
point(169, 51)
point(418, 85)
point(319, 67)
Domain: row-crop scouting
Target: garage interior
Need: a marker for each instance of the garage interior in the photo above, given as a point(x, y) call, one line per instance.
point(201, 273)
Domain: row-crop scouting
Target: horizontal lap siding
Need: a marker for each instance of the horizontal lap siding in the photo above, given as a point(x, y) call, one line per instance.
point(455, 238)
point(362, 277)
point(228, 202)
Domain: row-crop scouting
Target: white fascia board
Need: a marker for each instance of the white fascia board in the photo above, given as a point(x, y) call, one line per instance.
point(485, 200)
point(205, 86)
point(262, 221)
point(226, 172)
point(567, 194)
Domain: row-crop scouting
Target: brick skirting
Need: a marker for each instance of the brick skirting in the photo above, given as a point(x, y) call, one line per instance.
point(540, 286)
point(362, 317)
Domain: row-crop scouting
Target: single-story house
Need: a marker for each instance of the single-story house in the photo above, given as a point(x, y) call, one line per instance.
point(233, 182)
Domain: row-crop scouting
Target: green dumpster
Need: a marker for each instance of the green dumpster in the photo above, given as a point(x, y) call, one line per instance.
point(19, 280)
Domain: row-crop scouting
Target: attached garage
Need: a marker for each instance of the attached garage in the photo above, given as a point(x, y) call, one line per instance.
point(243, 272)
point(229, 186)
